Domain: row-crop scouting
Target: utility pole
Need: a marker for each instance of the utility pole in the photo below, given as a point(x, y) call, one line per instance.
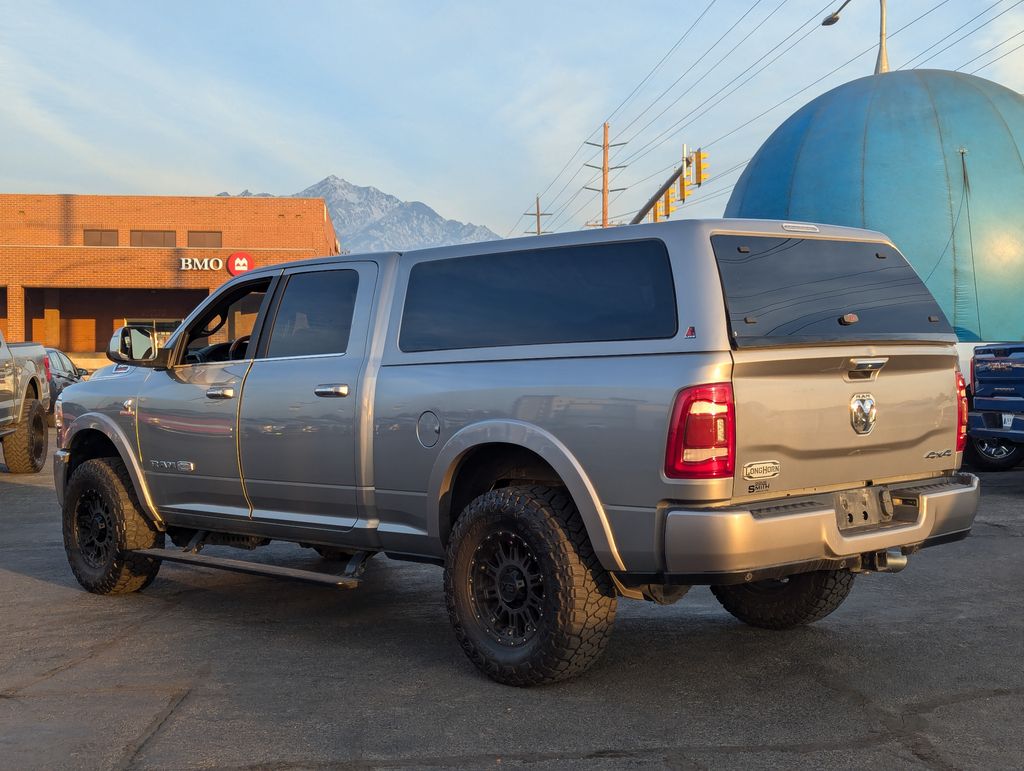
point(538, 214)
point(605, 168)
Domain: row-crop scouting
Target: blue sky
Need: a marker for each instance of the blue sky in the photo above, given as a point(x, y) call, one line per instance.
point(472, 107)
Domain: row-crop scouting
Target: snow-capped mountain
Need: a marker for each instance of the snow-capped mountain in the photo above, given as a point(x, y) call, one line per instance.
point(369, 220)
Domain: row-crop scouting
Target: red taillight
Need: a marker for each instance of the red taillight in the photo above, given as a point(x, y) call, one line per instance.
point(974, 388)
point(961, 412)
point(46, 366)
point(702, 434)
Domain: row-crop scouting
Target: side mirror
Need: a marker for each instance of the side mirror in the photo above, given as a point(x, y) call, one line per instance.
point(133, 345)
point(81, 371)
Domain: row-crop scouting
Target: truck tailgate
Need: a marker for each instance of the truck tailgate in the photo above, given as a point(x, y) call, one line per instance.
point(804, 418)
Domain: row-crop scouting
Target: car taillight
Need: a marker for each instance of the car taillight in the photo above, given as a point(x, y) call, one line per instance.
point(46, 367)
point(961, 412)
point(702, 434)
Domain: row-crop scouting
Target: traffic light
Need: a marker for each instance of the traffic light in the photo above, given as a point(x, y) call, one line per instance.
point(700, 167)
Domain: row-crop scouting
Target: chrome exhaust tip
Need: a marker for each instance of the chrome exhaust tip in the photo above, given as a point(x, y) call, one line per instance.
point(890, 561)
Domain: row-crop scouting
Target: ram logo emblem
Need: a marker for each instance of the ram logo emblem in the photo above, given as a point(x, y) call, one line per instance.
point(863, 413)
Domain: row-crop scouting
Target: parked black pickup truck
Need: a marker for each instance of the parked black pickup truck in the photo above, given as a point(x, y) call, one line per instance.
point(996, 420)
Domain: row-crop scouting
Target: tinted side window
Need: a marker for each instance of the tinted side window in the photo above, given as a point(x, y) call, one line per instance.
point(55, 364)
point(315, 314)
point(614, 291)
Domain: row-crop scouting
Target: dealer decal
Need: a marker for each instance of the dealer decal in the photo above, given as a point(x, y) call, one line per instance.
point(762, 469)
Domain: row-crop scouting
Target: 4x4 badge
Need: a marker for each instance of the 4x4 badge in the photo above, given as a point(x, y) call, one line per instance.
point(863, 413)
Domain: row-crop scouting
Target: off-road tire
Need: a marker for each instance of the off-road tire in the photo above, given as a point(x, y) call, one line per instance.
point(794, 601)
point(982, 455)
point(100, 489)
point(576, 599)
point(25, 449)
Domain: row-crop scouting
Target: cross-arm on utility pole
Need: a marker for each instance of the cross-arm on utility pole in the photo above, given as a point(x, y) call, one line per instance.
point(538, 214)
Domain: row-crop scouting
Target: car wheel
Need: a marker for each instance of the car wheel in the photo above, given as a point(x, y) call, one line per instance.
point(103, 523)
point(526, 595)
point(788, 602)
point(993, 454)
point(25, 449)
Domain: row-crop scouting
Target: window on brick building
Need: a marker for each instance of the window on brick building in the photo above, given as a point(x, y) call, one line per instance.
point(99, 237)
point(153, 238)
point(209, 239)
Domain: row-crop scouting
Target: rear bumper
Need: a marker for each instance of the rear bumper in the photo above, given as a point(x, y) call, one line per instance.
point(731, 545)
point(987, 424)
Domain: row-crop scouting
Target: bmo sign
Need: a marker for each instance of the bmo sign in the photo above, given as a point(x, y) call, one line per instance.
point(237, 263)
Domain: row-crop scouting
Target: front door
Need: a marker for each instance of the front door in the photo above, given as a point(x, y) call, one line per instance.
point(188, 413)
point(300, 414)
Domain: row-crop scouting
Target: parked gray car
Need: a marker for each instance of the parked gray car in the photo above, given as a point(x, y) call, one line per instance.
point(767, 408)
point(24, 400)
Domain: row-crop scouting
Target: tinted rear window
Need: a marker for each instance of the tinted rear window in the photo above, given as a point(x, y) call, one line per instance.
point(615, 291)
point(782, 291)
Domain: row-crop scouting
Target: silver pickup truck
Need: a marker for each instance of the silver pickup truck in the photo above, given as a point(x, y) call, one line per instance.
point(767, 408)
point(24, 402)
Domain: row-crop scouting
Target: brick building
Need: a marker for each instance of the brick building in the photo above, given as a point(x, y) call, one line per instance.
point(75, 267)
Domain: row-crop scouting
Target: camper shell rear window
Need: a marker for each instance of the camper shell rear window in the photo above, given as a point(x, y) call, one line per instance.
point(786, 291)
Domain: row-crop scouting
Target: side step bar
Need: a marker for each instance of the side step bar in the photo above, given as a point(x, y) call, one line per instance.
point(347, 580)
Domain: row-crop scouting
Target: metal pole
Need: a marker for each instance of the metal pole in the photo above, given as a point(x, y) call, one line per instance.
point(639, 217)
point(882, 65)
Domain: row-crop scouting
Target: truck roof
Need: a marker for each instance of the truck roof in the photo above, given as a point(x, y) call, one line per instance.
point(697, 227)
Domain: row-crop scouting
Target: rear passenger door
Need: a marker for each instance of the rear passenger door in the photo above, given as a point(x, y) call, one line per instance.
point(299, 419)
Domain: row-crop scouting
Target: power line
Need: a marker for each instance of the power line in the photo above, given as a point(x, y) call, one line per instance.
point(661, 61)
point(967, 34)
point(631, 94)
point(947, 36)
point(676, 127)
point(782, 42)
point(690, 69)
point(993, 48)
point(649, 147)
point(828, 74)
point(1003, 56)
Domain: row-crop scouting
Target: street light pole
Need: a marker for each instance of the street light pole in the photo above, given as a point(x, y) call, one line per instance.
point(882, 63)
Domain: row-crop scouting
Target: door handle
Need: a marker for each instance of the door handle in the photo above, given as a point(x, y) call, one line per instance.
point(220, 392)
point(331, 389)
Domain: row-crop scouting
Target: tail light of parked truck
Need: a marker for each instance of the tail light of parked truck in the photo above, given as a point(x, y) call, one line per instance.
point(961, 415)
point(702, 433)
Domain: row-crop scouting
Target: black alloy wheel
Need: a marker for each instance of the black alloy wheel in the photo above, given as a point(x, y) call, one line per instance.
point(508, 588)
point(95, 530)
point(993, 454)
point(37, 438)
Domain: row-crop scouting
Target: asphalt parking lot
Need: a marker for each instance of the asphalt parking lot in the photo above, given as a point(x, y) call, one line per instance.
point(204, 669)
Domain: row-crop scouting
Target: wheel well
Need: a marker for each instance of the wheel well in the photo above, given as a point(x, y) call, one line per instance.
point(488, 467)
point(89, 444)
point(32, 392)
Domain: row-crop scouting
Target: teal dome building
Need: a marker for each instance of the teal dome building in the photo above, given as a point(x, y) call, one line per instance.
point(935, 160)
